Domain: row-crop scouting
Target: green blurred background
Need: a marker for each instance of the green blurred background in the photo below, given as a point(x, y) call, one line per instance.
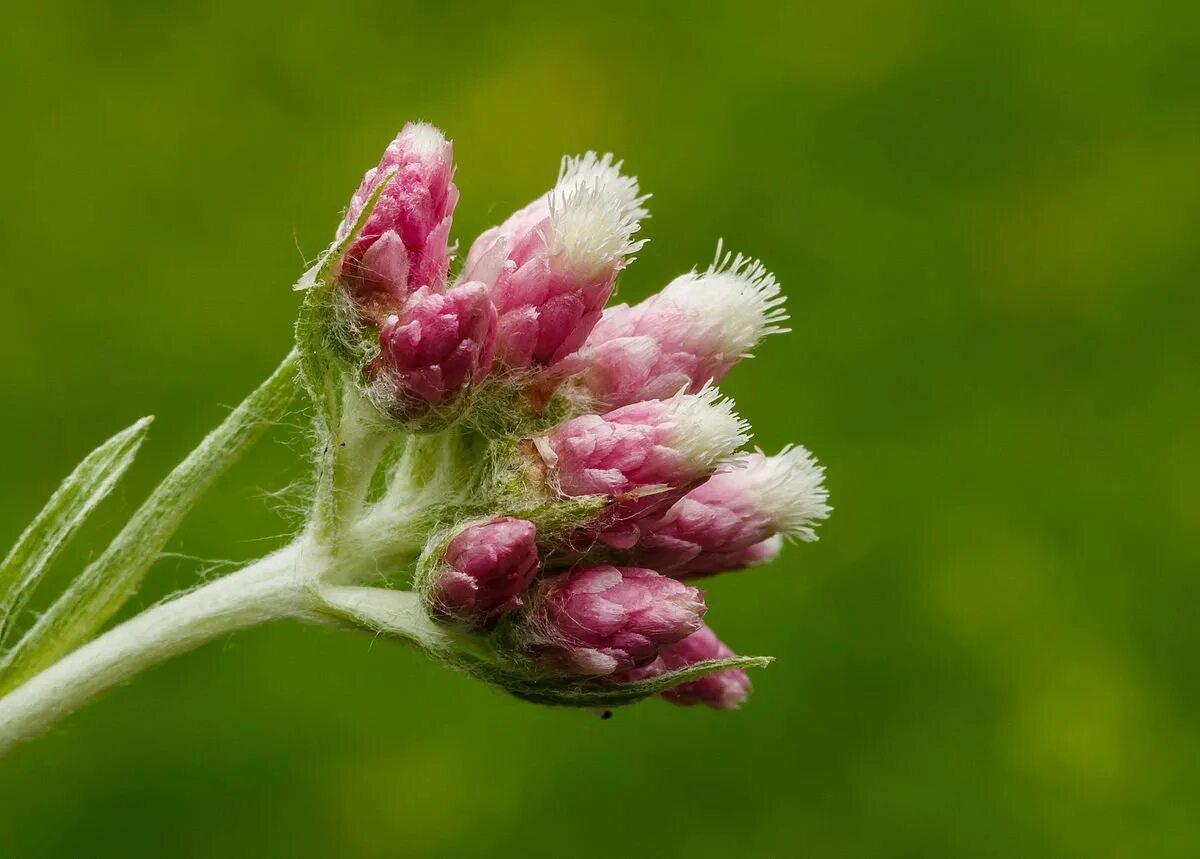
point(985, 215)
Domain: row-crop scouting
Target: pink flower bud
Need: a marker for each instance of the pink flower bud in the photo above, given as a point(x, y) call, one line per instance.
point(722, 690)
point(711, 563)
point(729, 521)
point(552, 264)
point(599, 620)
point(437, 345)
point(404, 243)
point(486, 568)
point(644, 446)
point(690, 333)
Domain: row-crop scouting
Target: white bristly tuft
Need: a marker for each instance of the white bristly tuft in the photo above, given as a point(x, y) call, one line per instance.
point(790, 488)
point(594, 212)
point(742, 291)
point(424, 140)
point(708, 429)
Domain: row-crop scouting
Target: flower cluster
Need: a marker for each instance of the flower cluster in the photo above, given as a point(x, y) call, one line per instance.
point(525, 484)
point(599, 466)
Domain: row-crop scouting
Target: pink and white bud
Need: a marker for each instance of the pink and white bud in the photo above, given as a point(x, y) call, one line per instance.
point(404, 243)
point(600, 620)
point(690, 333)
point(552, 264)
point(437, 345)
point(734, 519)
point(722, 690)
point(642, 447)
point(485, 569)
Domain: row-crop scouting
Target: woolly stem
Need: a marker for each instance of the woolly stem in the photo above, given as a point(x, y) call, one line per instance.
point(360, 444)
point(274, 587)
point(347, 465)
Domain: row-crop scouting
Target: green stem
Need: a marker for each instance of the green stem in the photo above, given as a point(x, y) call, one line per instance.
point(104, 586)
point(290, 583)
point(277, 586)
point(347, 466)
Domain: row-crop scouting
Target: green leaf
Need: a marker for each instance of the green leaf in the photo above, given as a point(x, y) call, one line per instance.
point(104, 586)
point(329, 347)
point(318, 334)
point(598, 693)
point(66, 511)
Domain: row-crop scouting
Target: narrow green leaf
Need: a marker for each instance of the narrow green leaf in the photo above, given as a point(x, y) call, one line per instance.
point(67, 510)
point(317, 337)
point(600, 694)
point(104, 586)
point(327, 357)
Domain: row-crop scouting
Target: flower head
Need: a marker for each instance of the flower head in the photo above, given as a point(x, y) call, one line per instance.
point(689, 334)
point(403, 244)
point(728, 521)
point(599, 620)
point(727, 560)
point(642, 446)
point(552, 264)
point(485, 569)
point(721, 690)
point(437, 345)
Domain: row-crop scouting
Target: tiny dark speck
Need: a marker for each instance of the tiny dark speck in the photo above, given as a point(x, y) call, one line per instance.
point(607, 714)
